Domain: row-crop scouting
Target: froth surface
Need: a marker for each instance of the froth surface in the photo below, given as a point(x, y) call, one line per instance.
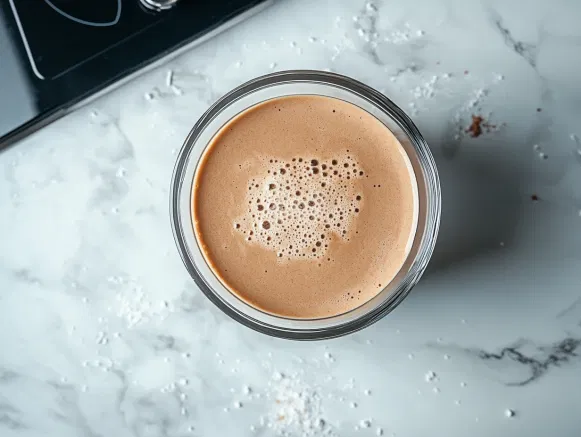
point(304, 206)
point(296, 206)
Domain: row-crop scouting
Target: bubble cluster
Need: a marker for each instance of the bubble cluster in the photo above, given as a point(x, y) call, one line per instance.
point(297, 207)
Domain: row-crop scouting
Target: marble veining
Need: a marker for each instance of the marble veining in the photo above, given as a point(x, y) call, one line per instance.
point(526, 354)
point(526, 50)
point(103, 333)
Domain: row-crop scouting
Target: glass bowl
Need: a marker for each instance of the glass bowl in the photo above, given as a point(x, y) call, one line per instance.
point(300, 82)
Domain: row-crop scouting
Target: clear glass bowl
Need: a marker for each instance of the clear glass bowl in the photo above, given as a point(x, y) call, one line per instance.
point(295, 82)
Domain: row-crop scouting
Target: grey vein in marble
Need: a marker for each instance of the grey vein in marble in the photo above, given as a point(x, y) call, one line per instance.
point(530, 358)
point(525, 50)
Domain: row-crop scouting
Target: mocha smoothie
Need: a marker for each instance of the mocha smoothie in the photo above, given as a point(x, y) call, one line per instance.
point(305, 206)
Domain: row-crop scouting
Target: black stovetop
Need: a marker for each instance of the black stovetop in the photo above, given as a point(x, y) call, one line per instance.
point(56, 53)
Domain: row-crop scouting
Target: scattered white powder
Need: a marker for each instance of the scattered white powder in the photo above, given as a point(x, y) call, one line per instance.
point(365, 25)
point(133, 305)
point(297, 408)
point(577, 142)
point(121, 172)
point(169, 78)
point(476, 98)
point(177, 90)
point(365, 423)
point(370, 6)
point(403, 35)
point(430, 376)
point(427, 90)
point(102, 338)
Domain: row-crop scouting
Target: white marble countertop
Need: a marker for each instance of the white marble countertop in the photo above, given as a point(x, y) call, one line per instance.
point(102, 332)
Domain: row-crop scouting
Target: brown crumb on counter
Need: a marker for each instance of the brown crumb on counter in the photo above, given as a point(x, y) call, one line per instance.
point(475, 128)
point(539, 109)
point(478, 126)
point(534, 198)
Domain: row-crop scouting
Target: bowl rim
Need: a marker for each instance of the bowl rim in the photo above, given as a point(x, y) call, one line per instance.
point(432, 214)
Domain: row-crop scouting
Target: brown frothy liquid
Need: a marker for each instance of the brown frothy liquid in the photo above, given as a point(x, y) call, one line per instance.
point(305, 206)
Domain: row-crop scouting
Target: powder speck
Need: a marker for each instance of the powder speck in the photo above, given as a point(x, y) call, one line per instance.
point(297, 408)
point(509, 413)
point(365, 423)
point(430, 376)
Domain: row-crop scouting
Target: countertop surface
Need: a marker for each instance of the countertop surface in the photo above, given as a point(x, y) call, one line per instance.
point(103, 333)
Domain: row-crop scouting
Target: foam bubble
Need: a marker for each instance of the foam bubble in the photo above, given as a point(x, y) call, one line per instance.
point(298, 206)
